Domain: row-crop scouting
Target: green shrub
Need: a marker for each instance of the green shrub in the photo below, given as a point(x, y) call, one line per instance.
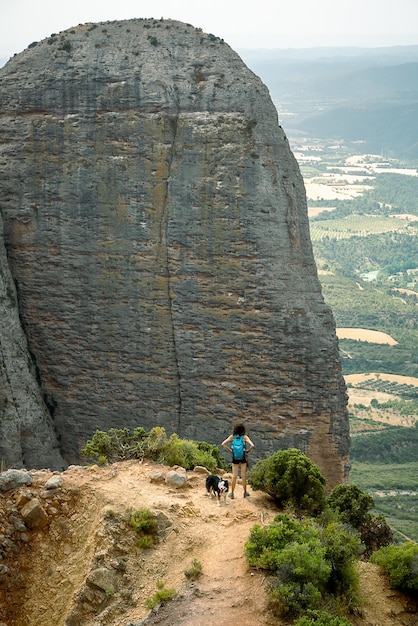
point(375, 533)
point(145, 542)
point(303, 563)
point(309, 564)
point(292, 598)
point(121, 444)
point(401, 563)
point(161, 596)
point(353, 504)
point(186, 453)
point(321, 618)
point(143, 521)
point(264, 542)
point(65, 45)
point(117, 444)
point(342, 549)
point(291, 479)
point(194, 571)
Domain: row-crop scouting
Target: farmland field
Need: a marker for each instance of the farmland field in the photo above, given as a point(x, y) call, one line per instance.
point(361, 226)
point(364, 334)
point(365, 245)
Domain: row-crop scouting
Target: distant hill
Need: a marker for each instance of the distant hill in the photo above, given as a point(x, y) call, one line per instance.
point(353, 94)
point(387, 129)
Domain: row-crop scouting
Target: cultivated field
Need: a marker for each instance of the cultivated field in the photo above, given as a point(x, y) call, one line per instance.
point(356, 379)
point(360, 226)
point(364, 334)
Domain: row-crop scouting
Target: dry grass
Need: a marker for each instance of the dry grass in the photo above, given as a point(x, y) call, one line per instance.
point(356, 379)
point(364, 334)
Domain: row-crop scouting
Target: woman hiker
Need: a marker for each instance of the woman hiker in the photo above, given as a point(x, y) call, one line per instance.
point(239, 445)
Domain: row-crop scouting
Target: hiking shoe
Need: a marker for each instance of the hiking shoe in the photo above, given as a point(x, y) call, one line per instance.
point(246, 494)
point(231, 495)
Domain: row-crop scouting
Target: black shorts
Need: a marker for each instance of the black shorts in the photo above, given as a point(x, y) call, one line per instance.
point(239, 461)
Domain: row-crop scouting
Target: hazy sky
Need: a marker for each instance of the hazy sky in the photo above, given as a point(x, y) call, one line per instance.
point(242, 23)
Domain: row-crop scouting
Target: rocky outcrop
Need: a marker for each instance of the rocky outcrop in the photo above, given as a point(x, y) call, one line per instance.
point(27, 436)
point(156, 229)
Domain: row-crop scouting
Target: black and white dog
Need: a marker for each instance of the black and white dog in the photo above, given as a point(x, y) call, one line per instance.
point(216, 486)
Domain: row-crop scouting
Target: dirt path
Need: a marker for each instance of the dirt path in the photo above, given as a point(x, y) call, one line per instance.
point(228, 591)
point(89, 533)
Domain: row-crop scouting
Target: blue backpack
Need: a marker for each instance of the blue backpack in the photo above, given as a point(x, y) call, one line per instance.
point(238, 448)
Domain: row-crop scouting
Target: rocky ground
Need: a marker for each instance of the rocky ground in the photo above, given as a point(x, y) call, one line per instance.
point(81, 563)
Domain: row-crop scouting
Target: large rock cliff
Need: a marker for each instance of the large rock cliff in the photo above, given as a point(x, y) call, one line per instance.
point(27, 436)
point(156, 230)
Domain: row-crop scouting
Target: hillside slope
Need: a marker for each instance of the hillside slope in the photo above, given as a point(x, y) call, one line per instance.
point(85, 566)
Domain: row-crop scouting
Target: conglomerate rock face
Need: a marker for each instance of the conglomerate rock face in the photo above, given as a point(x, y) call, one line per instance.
point(156, 230)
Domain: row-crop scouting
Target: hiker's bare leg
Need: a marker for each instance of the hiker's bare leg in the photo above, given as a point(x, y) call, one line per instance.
point(244, 476)
point(235, 467)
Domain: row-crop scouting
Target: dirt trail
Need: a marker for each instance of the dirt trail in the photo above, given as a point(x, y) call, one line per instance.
point(90, 534)
point(215, 535)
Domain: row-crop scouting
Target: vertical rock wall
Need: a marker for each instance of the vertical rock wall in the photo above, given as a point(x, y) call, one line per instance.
point(27, 436)
point(156, 228)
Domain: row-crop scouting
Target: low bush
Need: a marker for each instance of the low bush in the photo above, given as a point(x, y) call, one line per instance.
point(161, 596)
point(308, 564)
point(119, 444)
point(193, 572)
point(321, 618)
point(342, 549)
point(401, 563)
point(353, 505)
point(291, 479)
point(351, 502)
point(144, 522)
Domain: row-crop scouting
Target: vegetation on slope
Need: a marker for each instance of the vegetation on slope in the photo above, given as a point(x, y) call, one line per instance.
point(118, 444)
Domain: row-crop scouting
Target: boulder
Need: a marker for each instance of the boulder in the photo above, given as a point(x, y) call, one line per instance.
point(176, 478)
point(12, 478)
point(34, 515)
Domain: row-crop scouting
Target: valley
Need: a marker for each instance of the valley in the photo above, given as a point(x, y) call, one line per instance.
point(347, 114)
point(365, 246)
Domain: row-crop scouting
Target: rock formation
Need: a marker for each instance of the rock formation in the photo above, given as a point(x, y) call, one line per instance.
point(27, 436)
point(156, 230)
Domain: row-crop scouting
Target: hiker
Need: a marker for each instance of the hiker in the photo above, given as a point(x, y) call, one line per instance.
point(239, 445)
